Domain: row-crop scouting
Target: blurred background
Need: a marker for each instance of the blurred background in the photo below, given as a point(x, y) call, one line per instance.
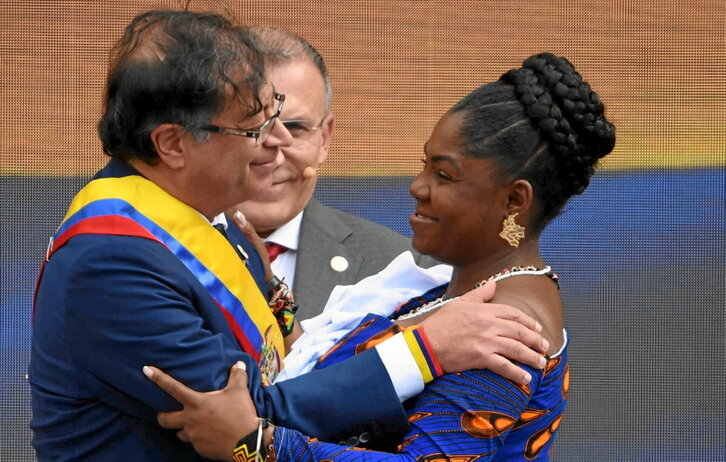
point(641, 254)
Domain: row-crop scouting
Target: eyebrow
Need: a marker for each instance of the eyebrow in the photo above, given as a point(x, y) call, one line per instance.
point(445, 158)
point(245, 118)
point(439, 157)
point(295, 119)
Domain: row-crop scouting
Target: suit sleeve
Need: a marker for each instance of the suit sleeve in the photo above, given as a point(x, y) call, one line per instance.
point(131, 304)
point(459, 417)
point(345, 400)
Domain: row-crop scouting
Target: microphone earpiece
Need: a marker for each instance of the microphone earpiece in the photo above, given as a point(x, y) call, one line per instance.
point(309, 172)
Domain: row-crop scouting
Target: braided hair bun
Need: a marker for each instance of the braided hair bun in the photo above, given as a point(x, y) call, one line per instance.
point(543, 123)
point(567, 112)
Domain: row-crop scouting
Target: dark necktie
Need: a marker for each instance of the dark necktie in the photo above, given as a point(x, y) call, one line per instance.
point(220, 227)
point(273, 250)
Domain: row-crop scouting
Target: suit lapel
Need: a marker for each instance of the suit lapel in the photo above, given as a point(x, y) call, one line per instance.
point(322, 239)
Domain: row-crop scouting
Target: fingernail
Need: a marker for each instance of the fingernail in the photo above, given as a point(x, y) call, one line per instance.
point(546, 345)
point(239, 216)
point(527, 378)
point(537, 326)
point(147, 371)
point(542, 362)
point(241, 365)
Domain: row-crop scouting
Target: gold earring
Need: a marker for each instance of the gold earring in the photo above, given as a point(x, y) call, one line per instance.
point(511, 231)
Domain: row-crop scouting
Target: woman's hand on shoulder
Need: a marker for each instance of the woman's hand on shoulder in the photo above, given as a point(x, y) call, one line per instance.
point(249, 232)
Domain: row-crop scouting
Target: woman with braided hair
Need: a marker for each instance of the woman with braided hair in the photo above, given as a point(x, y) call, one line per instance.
point(498, 167)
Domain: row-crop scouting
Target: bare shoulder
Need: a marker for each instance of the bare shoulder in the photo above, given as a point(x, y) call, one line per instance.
point(537, 296)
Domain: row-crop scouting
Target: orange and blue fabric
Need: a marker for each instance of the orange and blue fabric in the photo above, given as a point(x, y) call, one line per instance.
point(474, 415)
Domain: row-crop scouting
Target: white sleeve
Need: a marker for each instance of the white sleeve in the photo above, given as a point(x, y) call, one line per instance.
point(401, 367)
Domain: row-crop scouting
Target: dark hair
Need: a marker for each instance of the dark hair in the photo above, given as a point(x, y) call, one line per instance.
point(175, 67)
point(543, 123)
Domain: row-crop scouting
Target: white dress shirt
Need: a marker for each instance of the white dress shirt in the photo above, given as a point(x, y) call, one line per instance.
point(380, 294)
point(287, 235)
point(394, 352)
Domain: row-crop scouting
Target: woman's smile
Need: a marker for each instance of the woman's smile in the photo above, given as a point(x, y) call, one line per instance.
point(422, 217)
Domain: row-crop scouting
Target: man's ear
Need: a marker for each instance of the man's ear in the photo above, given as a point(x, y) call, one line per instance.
point(520, 198)
point(169, 142)
point(327, 129)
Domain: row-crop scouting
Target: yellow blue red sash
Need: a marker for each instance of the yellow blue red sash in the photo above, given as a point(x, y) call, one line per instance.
point(134, 206)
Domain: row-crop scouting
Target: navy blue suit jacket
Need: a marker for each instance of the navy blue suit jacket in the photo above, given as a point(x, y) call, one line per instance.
point(108, 305)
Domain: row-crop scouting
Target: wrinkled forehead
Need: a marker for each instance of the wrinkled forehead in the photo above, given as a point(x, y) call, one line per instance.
point(301, 83)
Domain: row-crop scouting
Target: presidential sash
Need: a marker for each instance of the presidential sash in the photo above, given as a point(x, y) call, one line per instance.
point(134, 206)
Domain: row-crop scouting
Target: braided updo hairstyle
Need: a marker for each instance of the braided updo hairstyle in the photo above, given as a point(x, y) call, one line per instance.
point(542, 123)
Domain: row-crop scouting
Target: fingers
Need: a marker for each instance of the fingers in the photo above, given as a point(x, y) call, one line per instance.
point(523, 335)
point(237, 376)
point(248, 230)
point(183, 436)
point(177, 390)
point(481, 294)
point(251, 235)
point(243, 224)
point(502, 366)
point(513, 314)
point(171, 420)
point(516, 351)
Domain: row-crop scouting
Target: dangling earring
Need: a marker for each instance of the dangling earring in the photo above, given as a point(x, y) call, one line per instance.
point(511, 231)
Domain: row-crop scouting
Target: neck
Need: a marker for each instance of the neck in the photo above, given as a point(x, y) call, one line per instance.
point(467, 274)
point(264, 233)
point(173, 183)
point(262, 230)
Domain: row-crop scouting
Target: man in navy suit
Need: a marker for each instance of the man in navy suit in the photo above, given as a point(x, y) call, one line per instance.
point(324, 247)
point(144, 269)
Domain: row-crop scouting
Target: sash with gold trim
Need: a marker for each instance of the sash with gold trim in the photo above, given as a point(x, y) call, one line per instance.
point(134, 206)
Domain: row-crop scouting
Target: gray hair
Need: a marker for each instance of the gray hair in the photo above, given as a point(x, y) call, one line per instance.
point(278, 46)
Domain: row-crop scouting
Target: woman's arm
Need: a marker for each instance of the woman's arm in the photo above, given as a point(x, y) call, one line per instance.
point(459, 415)
point(473, 415)
point(251, 235)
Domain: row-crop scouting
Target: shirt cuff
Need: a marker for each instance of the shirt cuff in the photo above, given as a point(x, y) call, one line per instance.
point(401, 366)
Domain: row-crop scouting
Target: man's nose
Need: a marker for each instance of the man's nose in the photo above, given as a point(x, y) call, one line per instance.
point(279, 136)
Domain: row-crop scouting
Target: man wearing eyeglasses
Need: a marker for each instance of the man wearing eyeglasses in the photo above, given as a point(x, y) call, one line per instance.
point(137, 274)
point(137, 271)
point(314, 247)
point(141, 270)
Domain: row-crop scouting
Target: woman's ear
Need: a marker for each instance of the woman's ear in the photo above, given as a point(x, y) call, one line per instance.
point(169, 144)
point(520, 198)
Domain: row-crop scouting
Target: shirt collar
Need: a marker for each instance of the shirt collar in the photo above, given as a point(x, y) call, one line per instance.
point(288, 235)
point(220, 219)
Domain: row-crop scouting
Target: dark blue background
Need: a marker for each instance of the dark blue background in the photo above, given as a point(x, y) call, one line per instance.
point(641, 260)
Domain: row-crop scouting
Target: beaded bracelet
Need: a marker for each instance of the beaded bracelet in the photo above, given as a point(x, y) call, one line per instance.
point(282, 304)
point(261, 452)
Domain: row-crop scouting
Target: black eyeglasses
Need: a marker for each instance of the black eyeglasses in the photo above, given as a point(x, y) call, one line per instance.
point(260, 134)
